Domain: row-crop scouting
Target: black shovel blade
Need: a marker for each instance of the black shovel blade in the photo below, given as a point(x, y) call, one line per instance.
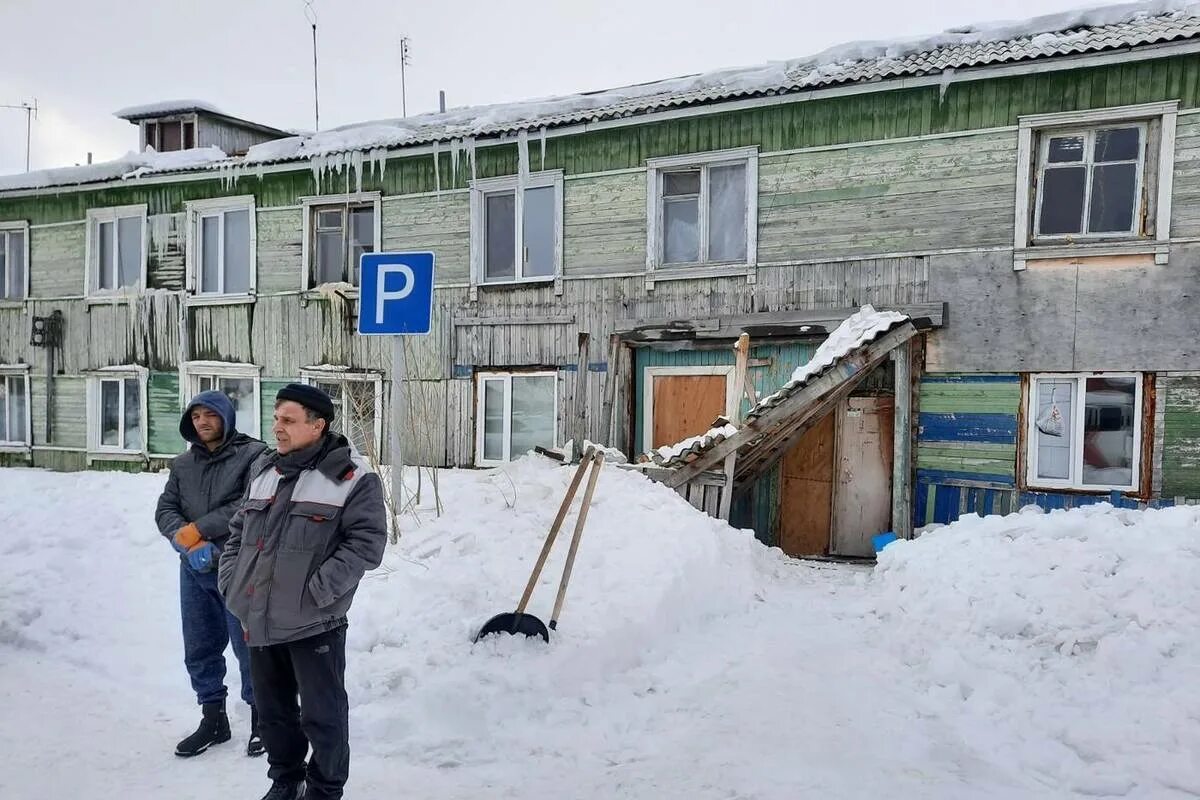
point(514, 624)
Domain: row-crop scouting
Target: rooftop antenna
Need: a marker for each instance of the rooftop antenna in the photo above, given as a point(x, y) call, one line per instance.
point(31, 110)
point(310, 13)
point(405, 60)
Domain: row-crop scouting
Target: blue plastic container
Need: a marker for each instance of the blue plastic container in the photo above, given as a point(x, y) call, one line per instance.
point(882, 540)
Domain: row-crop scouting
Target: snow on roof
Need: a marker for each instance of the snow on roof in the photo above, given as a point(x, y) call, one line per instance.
point(131, 165)
point(165, 107)
point(693, 444)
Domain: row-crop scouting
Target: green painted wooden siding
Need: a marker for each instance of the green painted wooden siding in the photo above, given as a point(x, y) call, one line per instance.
point(268, 390)
point(1181, 437)
point(162, 403)
point(70, 411)
point(604, 224)
point(56, 255)
point(942, 395)
point(837, 120)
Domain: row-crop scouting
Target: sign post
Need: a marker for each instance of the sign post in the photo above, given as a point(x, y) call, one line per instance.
point(396, 299)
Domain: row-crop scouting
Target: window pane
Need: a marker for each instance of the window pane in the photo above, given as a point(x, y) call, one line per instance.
point(240, 392)
point(362, 238)
point(3, 264)
point(677, 184)
point(4, 408)
point(1118, 144)
point(1113, 197)
point(129, 250)
point(110, 413)
point(133, 414)
point(532, 414)
point(152, 135)
point(360, 396)
point(206, 384)
point(493, 420)
point(1062, 200)
point(1065, 149)
point(501, 237)
point(539, 231)
point(189, 135)
point(1053, 428)
point(681, 231)
point(330, 219)
point(727, 213)
point(237, 252)
point(170, 136)
point(104, 255)
point(1109, 426)
point(16, 266)
point(210, 253)
point(329, 258)
point(16, 410)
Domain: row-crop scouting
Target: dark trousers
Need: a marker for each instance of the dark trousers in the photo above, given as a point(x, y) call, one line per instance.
point(207, 628)
point(314, 671)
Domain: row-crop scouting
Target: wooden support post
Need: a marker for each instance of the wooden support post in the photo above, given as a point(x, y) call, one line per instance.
point(612, 378)
point(741, 363)
point(579, 427)
point(902, 490)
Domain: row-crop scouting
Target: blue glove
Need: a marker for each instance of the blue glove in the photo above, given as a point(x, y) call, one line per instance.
point(177, 547)
point(202, 558)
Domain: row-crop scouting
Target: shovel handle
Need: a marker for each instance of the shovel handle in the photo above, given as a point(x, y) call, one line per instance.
point(558, 521)
point(598, 462)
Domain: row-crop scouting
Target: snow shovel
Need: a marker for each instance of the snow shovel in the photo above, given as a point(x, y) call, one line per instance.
point(518, 622)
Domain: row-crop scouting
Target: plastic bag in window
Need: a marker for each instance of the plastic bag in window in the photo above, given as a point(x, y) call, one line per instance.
point(1051, 420)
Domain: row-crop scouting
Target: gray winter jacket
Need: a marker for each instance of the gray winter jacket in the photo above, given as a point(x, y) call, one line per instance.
point(300, 543)
point(206, 487)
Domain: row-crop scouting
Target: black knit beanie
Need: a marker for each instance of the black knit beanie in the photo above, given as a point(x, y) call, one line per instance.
point(310, 397)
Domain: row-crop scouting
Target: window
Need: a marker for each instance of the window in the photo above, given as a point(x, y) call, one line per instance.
point(221, 251)
point(358, 397)
point(703, 210)
point(339, 231)
point(517, 236)
point(514, 412)
point(239, 382)
point(116, 249)
point(1095, 182)
point(1085, 432)
point(117, 411)
point(14, 409)
point(171, 134)
point(14, 257)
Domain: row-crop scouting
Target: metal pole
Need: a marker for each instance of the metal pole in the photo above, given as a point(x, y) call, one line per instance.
point(398, 378)
point(403, 86)
point(316, 96)
point(28, 134)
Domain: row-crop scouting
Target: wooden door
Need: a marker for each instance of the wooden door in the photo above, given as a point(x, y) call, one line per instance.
point(863, 504)
point(806, 501)
point(685, 405)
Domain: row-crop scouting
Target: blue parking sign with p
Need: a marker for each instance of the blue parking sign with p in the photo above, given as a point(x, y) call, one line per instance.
point(395, 294)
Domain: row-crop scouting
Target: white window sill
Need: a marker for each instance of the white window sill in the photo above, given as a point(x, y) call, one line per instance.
point(220, 299)
point(11, 303)
point(112, 299)
point(691, 271)
point(115, 455)
point(15, 448)
point(1102, 249)
point(318, 293)
point(1092, 490)
point(541, 280)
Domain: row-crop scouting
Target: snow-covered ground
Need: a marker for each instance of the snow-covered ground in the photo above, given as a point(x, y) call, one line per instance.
point(1034, 656)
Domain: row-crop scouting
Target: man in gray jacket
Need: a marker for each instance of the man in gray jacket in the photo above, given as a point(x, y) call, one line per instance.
point(202, 493)
point(312, 522)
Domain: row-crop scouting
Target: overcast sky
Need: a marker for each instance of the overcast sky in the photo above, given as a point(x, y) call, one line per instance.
point(84, 59)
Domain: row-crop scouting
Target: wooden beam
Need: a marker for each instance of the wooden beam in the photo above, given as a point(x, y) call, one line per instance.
point(786, 321)
point(611, 377)
point(902, 512)
point(741, 363)
point(579, 406)
point(560, 319)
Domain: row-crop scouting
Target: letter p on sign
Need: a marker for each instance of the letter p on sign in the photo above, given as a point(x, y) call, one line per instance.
point(396, 294)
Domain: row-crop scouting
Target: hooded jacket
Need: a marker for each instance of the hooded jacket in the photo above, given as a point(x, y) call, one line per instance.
point(313, 521)
point(206, 486)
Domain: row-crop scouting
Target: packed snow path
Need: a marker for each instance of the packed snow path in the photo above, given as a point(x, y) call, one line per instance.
point(1035, 656)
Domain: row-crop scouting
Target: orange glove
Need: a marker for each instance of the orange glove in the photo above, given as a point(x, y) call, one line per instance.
point(188, 538)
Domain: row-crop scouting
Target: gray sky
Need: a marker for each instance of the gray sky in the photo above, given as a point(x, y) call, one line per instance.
point(84, 59)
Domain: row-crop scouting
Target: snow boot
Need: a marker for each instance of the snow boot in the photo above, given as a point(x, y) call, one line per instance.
point(255, 746)
point(214, 729)
point(285, 790)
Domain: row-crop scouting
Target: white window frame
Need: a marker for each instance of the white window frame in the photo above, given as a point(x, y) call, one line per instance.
point(191, 373)
point(96, 450)
point(1037, 128)
point(1075, 482)
point(480, 189)
point(655, 167)
point(197, 211)
point(310, 205)
point(650, 373)
point(95, 216)
point(182, 119)
point(19, 371)
point(314, 375)
point(506, 377)
point(21, 227)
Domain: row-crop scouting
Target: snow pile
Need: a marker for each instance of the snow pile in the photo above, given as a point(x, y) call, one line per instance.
point(131, 165)
point(1074, 630)
point(713, 435)
point(165, 107)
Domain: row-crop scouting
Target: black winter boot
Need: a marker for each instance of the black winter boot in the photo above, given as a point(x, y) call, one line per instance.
point(255, 746)
point(285, 790)
point(214, 729)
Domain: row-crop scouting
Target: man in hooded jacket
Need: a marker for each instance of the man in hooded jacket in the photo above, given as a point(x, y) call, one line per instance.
point(203, 491)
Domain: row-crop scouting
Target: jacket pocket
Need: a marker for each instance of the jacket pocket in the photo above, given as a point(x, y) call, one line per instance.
point(292, 605)
point(310, 528)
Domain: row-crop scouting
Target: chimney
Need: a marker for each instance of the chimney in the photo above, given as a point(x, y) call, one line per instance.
point(441, 101)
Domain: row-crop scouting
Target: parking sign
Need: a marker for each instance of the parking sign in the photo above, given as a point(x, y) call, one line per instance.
point(395, 294)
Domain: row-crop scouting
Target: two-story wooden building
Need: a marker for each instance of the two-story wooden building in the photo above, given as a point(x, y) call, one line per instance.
point(1030, 194)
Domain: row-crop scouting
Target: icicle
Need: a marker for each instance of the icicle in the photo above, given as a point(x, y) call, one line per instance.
point(522, 160)
point(455, 146)
point(356, 163)
point(944, 84)
point(470, 144)
point(437, 177)
point(543, 138)
point(317, 164)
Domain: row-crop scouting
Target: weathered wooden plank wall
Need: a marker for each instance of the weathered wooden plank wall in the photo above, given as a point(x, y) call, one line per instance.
point(1180, 397)
point(56, 256)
